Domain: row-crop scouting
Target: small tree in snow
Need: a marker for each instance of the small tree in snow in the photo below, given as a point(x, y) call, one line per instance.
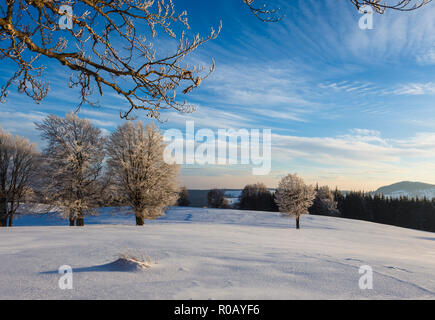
point(142, 178)
point(216, 199)
point(74, 158)
point(294, 197)
point(17, 167)
point(183, 198)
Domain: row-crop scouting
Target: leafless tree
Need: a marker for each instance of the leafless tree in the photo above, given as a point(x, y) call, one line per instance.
point(74, 165)
point(294, 197)
point(112, 47)
point(142, 178)
point(17, 167)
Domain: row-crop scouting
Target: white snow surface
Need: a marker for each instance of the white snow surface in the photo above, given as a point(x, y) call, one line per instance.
point(215, 254)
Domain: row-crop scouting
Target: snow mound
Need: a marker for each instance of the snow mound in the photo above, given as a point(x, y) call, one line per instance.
point(128, 265)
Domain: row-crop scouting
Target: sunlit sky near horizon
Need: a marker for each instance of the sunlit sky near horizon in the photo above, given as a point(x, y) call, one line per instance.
point(348, 108)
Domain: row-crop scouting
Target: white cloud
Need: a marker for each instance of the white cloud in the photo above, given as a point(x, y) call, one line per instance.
point(361, 159)
point(416, 89)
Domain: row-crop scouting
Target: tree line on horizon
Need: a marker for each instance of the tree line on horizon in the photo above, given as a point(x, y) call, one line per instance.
point(407, 212)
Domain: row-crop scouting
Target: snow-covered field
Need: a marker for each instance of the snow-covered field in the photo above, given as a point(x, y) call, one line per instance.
point(216, 254)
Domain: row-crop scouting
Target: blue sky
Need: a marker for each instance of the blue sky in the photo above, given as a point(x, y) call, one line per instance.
point(347, 107)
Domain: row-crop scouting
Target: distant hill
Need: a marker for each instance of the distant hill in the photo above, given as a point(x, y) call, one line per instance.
point(409, 189)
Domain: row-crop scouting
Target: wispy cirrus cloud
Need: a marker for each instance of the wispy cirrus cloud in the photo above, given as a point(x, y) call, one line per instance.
point(428, 57)
point(427, 88)
point(349, 86)
point(360, 155)
point(348, 107)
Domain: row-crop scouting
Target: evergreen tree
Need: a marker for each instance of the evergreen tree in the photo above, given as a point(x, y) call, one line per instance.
point(256, 197)
point(183, 198)
point(324, 203)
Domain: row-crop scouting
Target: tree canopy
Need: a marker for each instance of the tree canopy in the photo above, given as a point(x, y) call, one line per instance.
point(112, 47)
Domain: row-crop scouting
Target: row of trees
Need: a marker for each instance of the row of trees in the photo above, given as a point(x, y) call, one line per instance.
point(80, 169)
point(293, 197)
point(403, 212)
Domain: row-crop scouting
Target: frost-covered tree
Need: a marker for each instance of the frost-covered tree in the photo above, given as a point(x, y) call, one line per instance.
point(324, 203)
point(183, 198)
point(294, 197)
point(142, 178)
point(18, 160)
point(74, 159)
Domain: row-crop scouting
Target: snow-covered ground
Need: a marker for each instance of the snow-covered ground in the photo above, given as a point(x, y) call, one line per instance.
point(216, 254)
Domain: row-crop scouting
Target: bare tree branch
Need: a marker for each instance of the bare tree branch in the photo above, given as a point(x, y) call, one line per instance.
point(263, 13)
point(111, 47)
point(401, 5)
point(105, 49)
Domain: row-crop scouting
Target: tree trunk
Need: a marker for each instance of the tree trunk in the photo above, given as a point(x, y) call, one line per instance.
point(11, 220)
point(297, 222)
point(3, 212)
point(80, 221)
point(140, 221)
